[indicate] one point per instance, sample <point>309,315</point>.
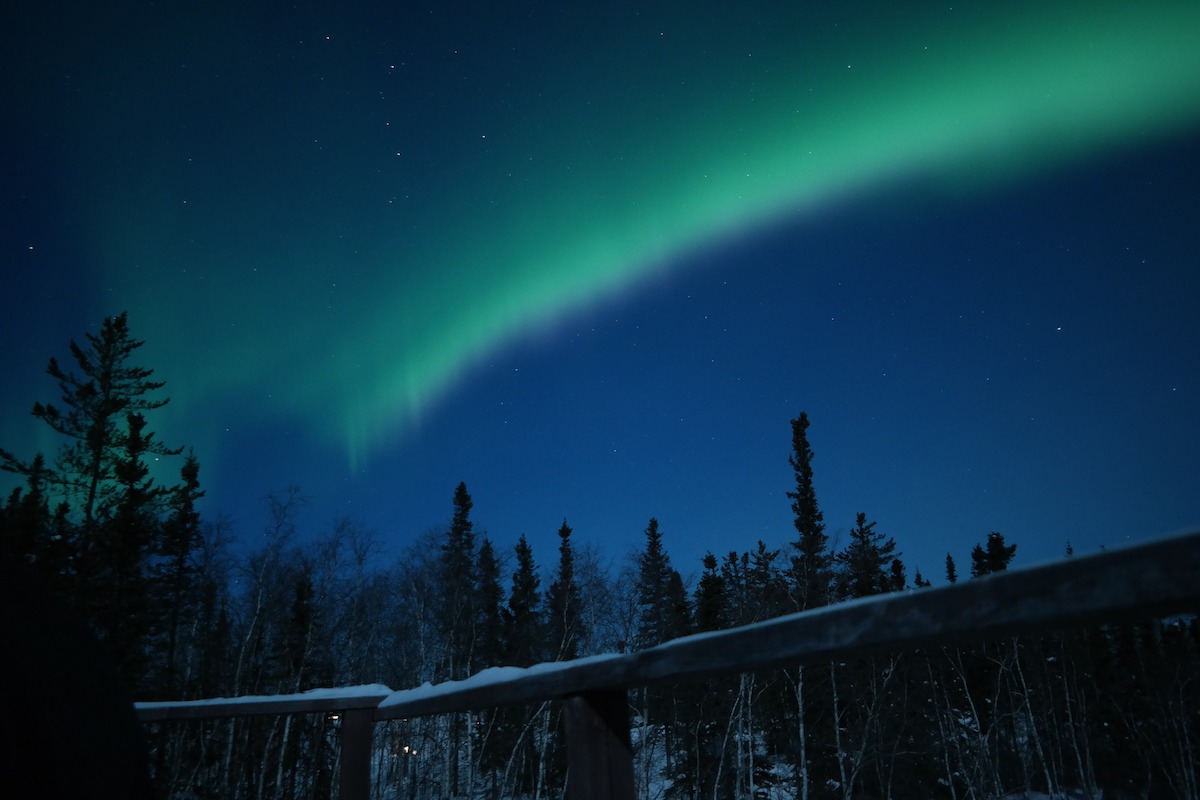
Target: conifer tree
<point>214,629</point>
<point>863,572</point>
<point>455,612</point>
<point>679,610</point>
<point>525,645</point>
<point>565,634</point>
<point>98,546</point>
<point>678,706</point>
<point>101,414</point>
<point>994,558</point>
<point>654,576</point>
<point>711,602</point>
<point>94,404</point>
<point>456,575</point>
<point>563,602</point>
<point>766,589</point>
<point>951,569</point>
<point>810,561</point>
<point>735,570</point>
<point>811,582</point>
<point>26,530</point>
<point>489,624</point>
<point>664,613</point>
<point>525,631</point>
<point>119,561</point>
<point>494,743</point>
<point>712,696</point>
<point>175,573</point>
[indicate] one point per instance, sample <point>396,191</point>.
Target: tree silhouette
<point>995,557</point>
<point>810,562</point>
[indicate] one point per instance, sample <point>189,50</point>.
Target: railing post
<point>599,749</point>
<point>358,725</point>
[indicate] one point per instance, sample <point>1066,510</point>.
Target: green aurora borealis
<point>325,221</point>
<point>347,225</point>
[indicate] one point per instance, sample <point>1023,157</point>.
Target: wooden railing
<point>1152,580</point>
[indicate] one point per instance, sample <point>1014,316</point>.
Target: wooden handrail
<point>1150,580</point>
<point>313,702</point>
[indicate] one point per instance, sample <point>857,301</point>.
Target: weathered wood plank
<point>358,726</point>
<point>1149,580</point>
<point>304,703</point>
<point>511,686</point>
<point>1152,580</point>
<point>599,749</point>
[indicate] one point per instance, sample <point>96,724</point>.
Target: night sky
<point>592,258</point>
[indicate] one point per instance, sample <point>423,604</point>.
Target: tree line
<point>1109,711</point>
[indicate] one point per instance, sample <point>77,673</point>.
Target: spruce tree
<point>101,413</point>
<point>899,578</point>
<point>951,570</point>
<point>456,574</point>
<point>525,629</point>
<point>94,404</point>
<point>677,707</point>
<point>563,602</point>
<point>489,624</point>
<point>26,524</point>
<point>654,575</point>
<point>493,738</point>
<point>767,592</point>
<point>120,558</point>
<point>810,561</point>
<point>663,613</point>
<point>712,697</point>
<point>175,573</point>
<point>711,601</point>
<point>994,558</point>
<point>456,612</point>
<point>863,572</point>
<point>735,569</point>
<point>679,610</point>
<point>564,607</point>
<point>98,546</point>
<point>525,645</point>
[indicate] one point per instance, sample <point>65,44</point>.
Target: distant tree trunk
<point>839,751</point>
<point>469,760</point>
<point>745,761</point>
<point>944,735</point>
<point>984,779</point>
<point>729,727</point>
<point>283,748</point>
<point>802,755</point>
<point>1034,734</point>
<point>1083,760</point>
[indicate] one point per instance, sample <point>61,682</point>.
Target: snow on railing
<point>1155,579</point>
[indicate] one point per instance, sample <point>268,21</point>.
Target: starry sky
<point>592,258</point>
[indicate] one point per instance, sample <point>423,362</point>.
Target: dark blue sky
<point>1021,362</point>
<point>593,264</point>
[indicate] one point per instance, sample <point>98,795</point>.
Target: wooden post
<point>599,751</point>
<point>358,725</point>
